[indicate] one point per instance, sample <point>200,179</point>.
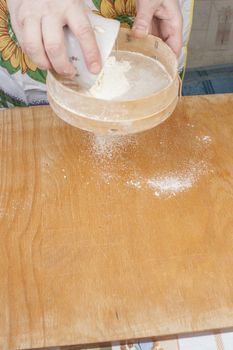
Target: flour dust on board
<point>174,160</point>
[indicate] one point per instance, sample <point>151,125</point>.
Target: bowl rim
<point>116,120</point>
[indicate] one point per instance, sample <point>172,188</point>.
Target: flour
<point>110,151</point>
<point>105,146</point>
<point>129,76</point>
<point>170,185</point>
<point>112,82</point>
<point>205,138</point>
<point>108,155</point>
<point>134,183</point>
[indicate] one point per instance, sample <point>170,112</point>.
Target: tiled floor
<point>213,80</point>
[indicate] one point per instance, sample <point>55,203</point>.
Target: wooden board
<point>101,242</point>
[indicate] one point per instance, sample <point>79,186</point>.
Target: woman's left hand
<point>162,18</point>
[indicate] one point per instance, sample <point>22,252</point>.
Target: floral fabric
<point>22,83</point>
<point>18,74</point>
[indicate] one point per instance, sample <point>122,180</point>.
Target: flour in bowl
<point>112,82</point>
<point>128,76</point>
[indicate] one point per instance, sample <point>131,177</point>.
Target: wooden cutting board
<point>104,240</point>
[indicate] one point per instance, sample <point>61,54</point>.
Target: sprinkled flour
<point>205,138</point>
<point>170,184</point>
<point>118,158</point>
<point>105,146</point>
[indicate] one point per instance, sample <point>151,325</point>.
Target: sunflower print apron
<point>23,84</point>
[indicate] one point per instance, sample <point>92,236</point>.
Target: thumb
<point>145,13</point>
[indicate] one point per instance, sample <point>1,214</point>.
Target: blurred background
<point>210,51</point>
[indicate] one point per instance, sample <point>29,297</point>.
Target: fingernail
<point>69,71</point>
<point>95,68</point>
<point>141,30</point>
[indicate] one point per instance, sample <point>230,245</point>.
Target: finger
<point>171,33</point>
<point>32,42</point>
<point>54,43</point>
<point>79,24</point>
<point>145,13</point>
<point>171,24</point>
<point>175,43</point>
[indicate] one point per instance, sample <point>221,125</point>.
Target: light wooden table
<point>100,245</point>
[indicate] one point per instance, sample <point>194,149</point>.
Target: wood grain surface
<point>105,240</point>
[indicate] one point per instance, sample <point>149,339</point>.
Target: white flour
<point>105,146</point>
<point>128,76</point>
<point>110,151</point>
<point>112,82</point>
<point>168,185</point>
<point>205,138</point>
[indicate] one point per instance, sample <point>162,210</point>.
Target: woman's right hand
<point>38,26</point>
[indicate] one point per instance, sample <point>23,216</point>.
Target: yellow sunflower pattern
<point>10,51</point>
<point>11,55</point>
<point>122,10</point>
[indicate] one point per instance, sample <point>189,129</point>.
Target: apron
<point>23,84</point>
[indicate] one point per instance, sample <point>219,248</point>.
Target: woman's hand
<point>162,18</point>
<point>38,25</point>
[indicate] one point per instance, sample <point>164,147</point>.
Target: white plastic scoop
<point>106,31</point>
